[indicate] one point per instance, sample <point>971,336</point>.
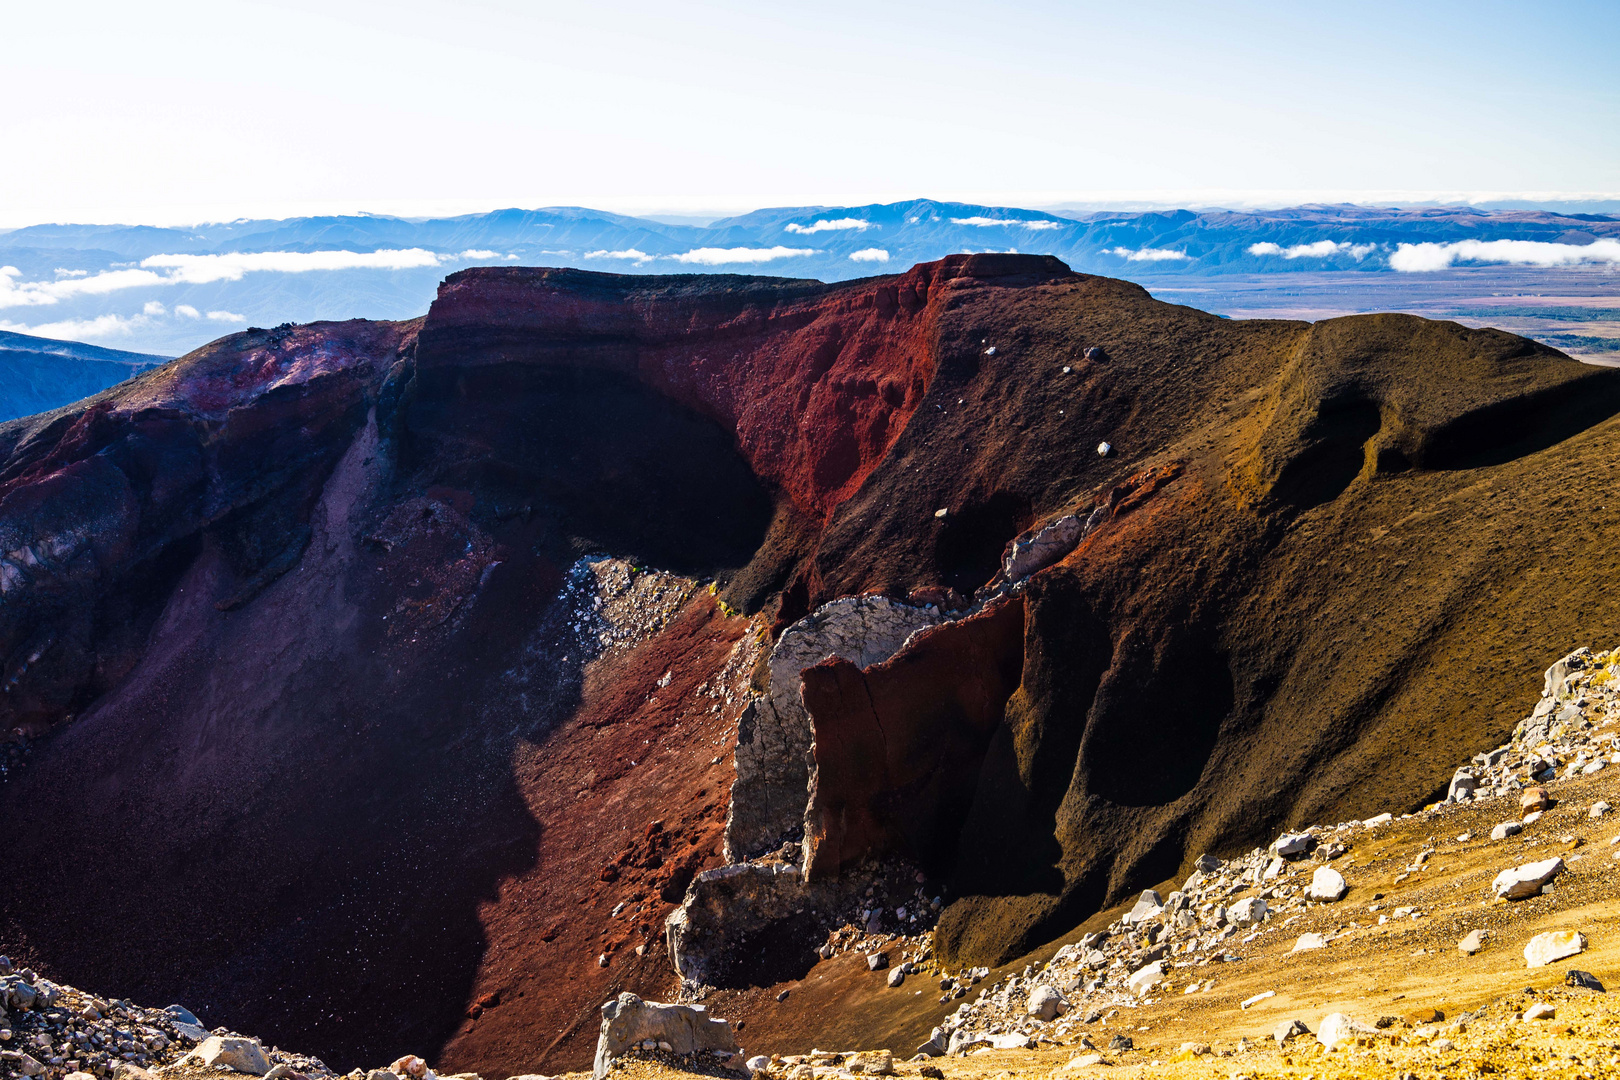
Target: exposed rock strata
<point>773,735</point>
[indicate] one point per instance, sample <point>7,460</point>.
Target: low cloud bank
<point>833,225</point>
<point>1423,258</point>
<point>163,270</point>
<point>640,258</point>
<point>202,269</point>
<point>1148,254</point>
<point>1322,249</point>
<point>1026,223</point>
<point>870,255</point>
<point>103,327</point>
<point>721,256</point>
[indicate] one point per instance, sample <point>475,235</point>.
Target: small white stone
<point>1247,912</point>
<point>1553,945</point>
<point>1327,885</point>
<point>1145,978</point>
<point>1525,881</point>
<point>1338,1028</point>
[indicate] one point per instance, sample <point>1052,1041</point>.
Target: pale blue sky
<point>171,112</point>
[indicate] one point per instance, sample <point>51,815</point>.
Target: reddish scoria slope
<point>306,636</point>
<point>307,595</point>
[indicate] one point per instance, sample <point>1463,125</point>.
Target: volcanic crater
<point>378,687</point>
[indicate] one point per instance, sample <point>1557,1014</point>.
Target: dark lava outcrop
<point>330,720</point>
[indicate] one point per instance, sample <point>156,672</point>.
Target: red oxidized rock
<point>898,746</point>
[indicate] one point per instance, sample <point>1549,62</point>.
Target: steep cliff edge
<point>372,662</point>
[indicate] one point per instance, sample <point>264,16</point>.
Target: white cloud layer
<point>201,269</point>
<point>640,258</point>
<point>119,326</point>
<point>833,225</point>
<point>1420,258</point>
<point>1027,223</point>
<point>1322,249</point>
<point>160,270</point>
<point>1148,254</point>
<point>709,256</point>
<point>872,255</point>
<point>102,326</point>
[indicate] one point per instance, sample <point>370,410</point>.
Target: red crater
<point>318,727</point>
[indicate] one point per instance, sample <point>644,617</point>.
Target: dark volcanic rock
<point>330,741</point>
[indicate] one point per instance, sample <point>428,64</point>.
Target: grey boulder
<point>231,1052</point>
<point>627,1021</point>
<point>1047,1003</point>
<point>1289,1029</point>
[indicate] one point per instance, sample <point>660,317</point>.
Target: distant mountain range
<point>170,290</point>
<point>39,374</point>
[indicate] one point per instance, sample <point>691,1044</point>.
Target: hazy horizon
<point>182,112</point>
<point>701,211</point>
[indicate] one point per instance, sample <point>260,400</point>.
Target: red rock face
<point>324,743</point>
<point>815,383</point>
<point>898,746</point>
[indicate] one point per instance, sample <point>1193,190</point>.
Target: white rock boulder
<point>627,1021</point>
<point>1247,912</point>
<point>1146,978</point>
<point>1327,885</point>
<point>1526,881</point>
<point>1338,1028</point>
<point>1543,949</point>
<point>1147,906</point>
<point>873,1063</point>
<point>231,1052</point>
<point>1047,1003</point>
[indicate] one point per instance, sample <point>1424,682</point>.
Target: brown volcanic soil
<point>299,595</point>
